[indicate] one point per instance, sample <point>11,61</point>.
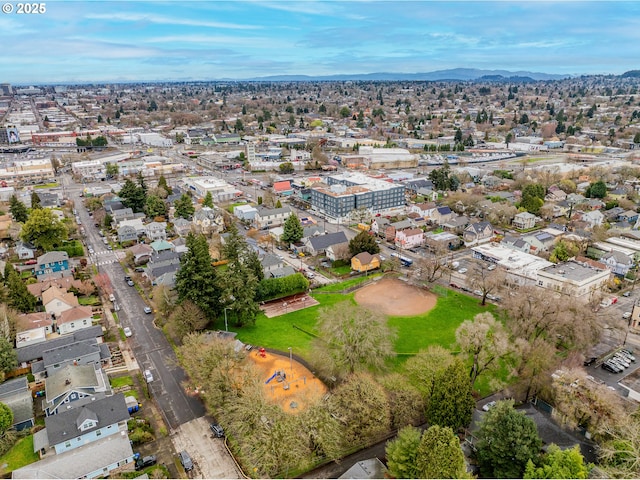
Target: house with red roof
<point>282,188</point>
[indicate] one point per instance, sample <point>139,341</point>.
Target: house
<point>392,228</point>
<point>409,238</point>
<point>428,194</point>
<point>271,217</point>
<point>127,233</point>
<point>182,226</point>
<point>109,455</point>
<point>617,262</point>
<point>83,352</point>
<point>208,220</point>
<point>16,395</point>
<point>74,319</point>
<point>366,469</point>
<point>270,263</point>
<point>379,226</point>
<point>55,264</point>
<point>29,321</point>
<point>630,216</point>
<point>71,384</point>
<point>338,251</point>
<point>25,251</point>
<point>282,188</point>
<point>162,246</point>
<point>180,245</point>
<point>524,221</point>
<point>84,424</point>
<point>318,245</point>
<point>540,242</point>
<point>284,271</point>
<point>66,283</point>
<point>156,231</point>
<point>456,224</point>
<point>135,223</point>
<point>554,194</point>
<point>423,209</point>
<point>245,212</point>
<point>516,243</point>
<point>141,253</point>
<point>364,261</point>
<point>29,354</point>
<point>122,214</point>
<point>48,200</point>
<point>56,300</point>
<point>593,218</point>
<point>441,215</point>
<point>476,233</point>
<point>443,241</point>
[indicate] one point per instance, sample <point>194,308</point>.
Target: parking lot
<point>209,454</point>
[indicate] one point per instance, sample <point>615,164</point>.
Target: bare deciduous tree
<point>485,280</point>
<point>352,338</point>
<point>485,342</point>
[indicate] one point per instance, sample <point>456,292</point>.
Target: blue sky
<point>78,41</point>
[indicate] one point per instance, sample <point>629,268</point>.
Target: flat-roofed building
<point>220,190</point>
<point>574,279</point>
<point>522,268</point>
<point>355,191</point>
<point>27,171</point>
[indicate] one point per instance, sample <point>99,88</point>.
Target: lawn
<point>339,271</point>
<point>92,300</point>
<point>21,454</point>
<point>280,333</point>
<point>123,381</point>
<point>337,287</point>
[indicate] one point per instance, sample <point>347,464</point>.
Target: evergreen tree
<point>18,295</point>
<point>278,204</point>
<point>363,242</point>
<point>6,417</point>
<point>558,463</point>
<point>133,196</point>
<point>35,201</point>
<point>155,207</point>
<point>184,207</point>
<point>208,200</point>
<point>235,245</point>
<point>440,455</point>
<point>451,404</point>
<point>196,280</point>
<point>292,230</point>
<point>597,190</point>
<point>239,286</point>
<point>252,261</point>
<point>507,440</point>
<point>18,210</point>
<point>402,454</point>
<point>162,183</point>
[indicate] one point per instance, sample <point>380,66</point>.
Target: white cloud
<point>162,20</point>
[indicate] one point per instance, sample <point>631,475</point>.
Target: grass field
<point>21,454</point>
<point>123,381</point>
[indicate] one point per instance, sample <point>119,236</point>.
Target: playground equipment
<point>279,374</point>
<point>262,352</point>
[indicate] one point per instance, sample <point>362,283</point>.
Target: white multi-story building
<point>220,190</point>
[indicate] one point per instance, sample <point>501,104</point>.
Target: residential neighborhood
<point>367,246</point>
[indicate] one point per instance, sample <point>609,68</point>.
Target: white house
<point>524,220</point>
<point>409,238</point>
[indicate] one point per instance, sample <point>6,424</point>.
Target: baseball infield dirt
<point>395,297</point>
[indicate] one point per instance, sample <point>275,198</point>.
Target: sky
<point>137,40</point>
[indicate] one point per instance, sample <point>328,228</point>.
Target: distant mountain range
<point>465,74</point>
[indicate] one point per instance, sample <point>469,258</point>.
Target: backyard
<point>21,454</point>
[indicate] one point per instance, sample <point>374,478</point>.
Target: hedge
<point>272,288</point>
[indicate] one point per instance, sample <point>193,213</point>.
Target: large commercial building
<point>355,191</point>
<point>220,190</point>
<point>27,171</point>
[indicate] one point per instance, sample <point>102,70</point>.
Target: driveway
<point>209,454</point>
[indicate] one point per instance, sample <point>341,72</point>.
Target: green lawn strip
<point>343,270</point>
<point>337,287</point>
<point>21,454</point>
<point>92,300</point>
<point>123,381</point>
<point>279,332</point>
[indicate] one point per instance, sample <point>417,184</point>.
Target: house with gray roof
<point>85,352</point>
<point>16,395</point>
<point>156,231</point>
<point>270,262</point>
<point>281,272</point>
<point>79,426</point>
<point>318,245</point>
<point>208,220</point>
<point>71,384</point>
<point>127,233</point>
<point>617,262</point>
<point>479,232</point>
<point>182,226</point>
<point>96,459</point>
<point>32,353</point>
<point>271,217</point>
<point>25,251</point>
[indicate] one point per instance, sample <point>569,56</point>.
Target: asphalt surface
<point>149,345</point>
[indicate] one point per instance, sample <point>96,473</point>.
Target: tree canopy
<point>597,190</point>
<point>18,210</point>
<point>293,230</point>
<point>402,454</point>
<point>6,418</point>
<point>207,201</point>
<point>197,280</point>
<point>507,440</point>
<point>440,454</point>
<point>451,403</point>
<point>443,179</point>
<point>44,230</point>
<point>558,463</point>
<point>133,196</point>
<point>363,242</point>
<point>184,207</point>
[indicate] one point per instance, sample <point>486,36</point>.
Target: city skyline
<point>114,41</point>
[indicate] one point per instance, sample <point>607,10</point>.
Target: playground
<point>287,382</point>
<point>286,305</point>
<point>395,297</point>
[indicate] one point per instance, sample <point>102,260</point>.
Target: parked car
<point>217,430</point>
<point>491,267</point>
<point>185,460</point>
<point>615,361</point>
<point>147,310</point>
<point>130,283</point>
<point>488,406</point>
<point>622,360</point>
<point>626,315</point>
<point>145,462</point>
<point>112,297</point>
<point>626,294</point>
<point>127,332</point>
<point>611,367</point>
<point>148,376</point>
<point>629,354</point>
<point>462,270</point>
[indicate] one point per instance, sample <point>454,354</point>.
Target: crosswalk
<point>97,258</point>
